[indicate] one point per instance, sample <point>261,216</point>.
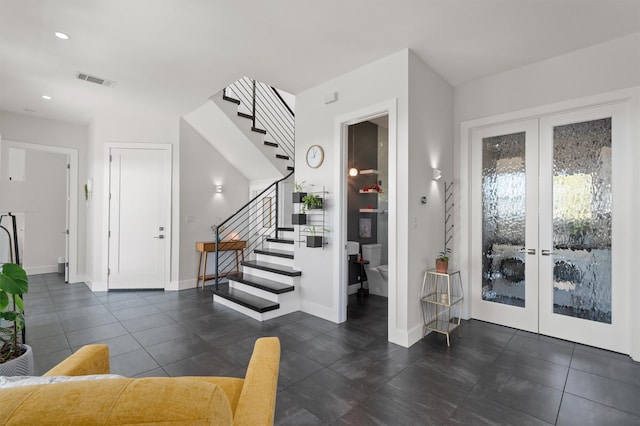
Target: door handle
<point>160,237</point>
<point>528,251</point>
<point>546,252</point>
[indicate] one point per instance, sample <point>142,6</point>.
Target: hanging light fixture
<point>353,171</point>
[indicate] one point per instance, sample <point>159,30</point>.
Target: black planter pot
<point>314,241</point>
<point>298,196</point>
<point>299,219</point>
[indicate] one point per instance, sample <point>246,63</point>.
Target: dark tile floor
<point>344,374</point>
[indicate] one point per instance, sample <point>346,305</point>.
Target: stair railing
<point>269,111</point>
<point>247,229</point>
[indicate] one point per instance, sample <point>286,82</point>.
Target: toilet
<point>377,274</point>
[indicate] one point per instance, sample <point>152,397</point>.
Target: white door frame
<point>72,155</point>
<point>631,99</point>
<point>341,145</point>
<point>107,220</point>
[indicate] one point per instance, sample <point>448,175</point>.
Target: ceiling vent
<point>94,79</point>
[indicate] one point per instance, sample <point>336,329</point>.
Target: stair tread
<point>258,130</point>
<point>290,168</point>
<point>261,283</point>
<point>275,252</point>
<point>245,299</point>
<point>273,144</point>
<point>282,157</point>
<point>234,100</point>
<point>245,115</point>
<point>286,228</point>
<point>272,267</point>
<point>280,240</point>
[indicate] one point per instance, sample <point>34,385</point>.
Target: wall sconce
<point>219,189</point>
<point>437,174</point>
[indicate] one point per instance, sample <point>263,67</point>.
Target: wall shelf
<point>369,172</point>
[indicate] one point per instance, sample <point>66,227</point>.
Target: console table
<point>206,247</point>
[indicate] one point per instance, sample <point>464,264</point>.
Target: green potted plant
<point>315,240</point>
<point>298,195</point>
<point>442,261</point>
<point>312,202</point>
<point>16,359</point>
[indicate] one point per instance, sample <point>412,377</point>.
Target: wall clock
<point>315,156</point>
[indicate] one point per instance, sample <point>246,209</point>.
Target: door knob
<point>160,237</point>
<point>528,251</point>
<point>546,252</point>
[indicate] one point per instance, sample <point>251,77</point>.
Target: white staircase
<point>266,286</point>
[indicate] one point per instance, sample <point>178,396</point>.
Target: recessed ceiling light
<point>46,97</point>
<point>61,36</point>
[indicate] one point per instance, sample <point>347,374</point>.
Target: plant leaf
<point>4,300</point>
<point>13,279</point>
<point>19,302</point>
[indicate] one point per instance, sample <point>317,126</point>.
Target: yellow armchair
<point>172,400</point>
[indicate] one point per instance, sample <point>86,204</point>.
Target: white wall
<point>203,167</point>
<point>371,89</point>
<point>591,71</point>
<point>25,128</point>
<point>125,127</point>
<point>430,146</point>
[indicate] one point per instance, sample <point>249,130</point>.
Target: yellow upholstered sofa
<point>158,400</point>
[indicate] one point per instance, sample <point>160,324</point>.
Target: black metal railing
<point>269,112</point>
<point>248,228</point>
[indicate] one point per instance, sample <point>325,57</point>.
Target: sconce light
<point>219,189</point>
<point>437,174</point>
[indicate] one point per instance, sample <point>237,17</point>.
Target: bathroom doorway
<point>367,213</point>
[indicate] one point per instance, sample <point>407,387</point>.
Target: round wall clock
<point>315,156</point>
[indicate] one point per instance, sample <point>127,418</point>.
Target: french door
<point>548,211</point>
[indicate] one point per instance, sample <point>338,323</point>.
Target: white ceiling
<point>168,56</point>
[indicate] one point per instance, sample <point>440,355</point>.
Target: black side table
<point>362,292</point>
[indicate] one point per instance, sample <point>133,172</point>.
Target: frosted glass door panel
<point>584,284</point>
<point>503,219</point>
<point>504,199</point>
<point>582,200</point>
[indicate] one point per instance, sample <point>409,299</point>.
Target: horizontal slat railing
<point>251,225</point>
<point>269,110</point>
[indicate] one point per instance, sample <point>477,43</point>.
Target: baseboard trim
<point>36,270</point>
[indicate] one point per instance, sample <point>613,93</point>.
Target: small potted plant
<point>217,232</point>
<point>298,195</point>
<point>312,202</point>
<point>16,359</point>
<point>442,261</point>
<point>315,240</point>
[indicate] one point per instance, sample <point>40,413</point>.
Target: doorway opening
<point>47,205</point>
<point>368,217</point>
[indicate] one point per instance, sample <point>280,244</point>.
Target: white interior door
<point>548,211</point>
<point>139,217</point>
<point>67,221</point>
<point>504,224</point>
<point>584,290</point>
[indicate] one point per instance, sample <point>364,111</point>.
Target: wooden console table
<point>206,247</point>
